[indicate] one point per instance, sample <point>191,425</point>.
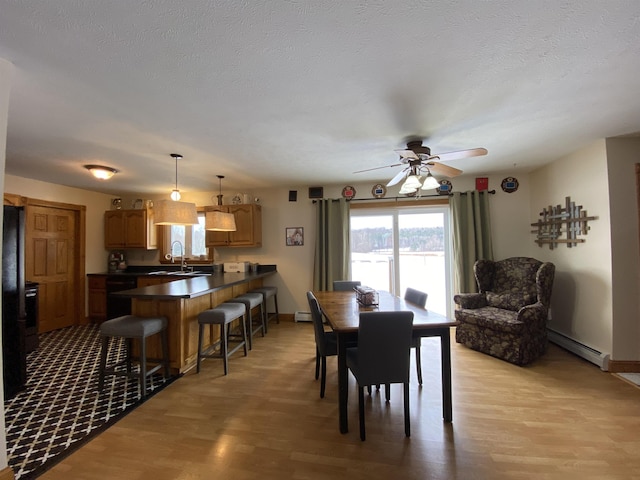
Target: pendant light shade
<point>220,222</point>
<point>169,212</point>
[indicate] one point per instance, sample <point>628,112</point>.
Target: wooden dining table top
<point>343,311</point>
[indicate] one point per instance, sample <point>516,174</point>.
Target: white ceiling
<point>295,92</point>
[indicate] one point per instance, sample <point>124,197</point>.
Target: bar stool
<point>251,301</point>
<point>267,293</point>
<point>131,327</point>
<point>222,315</point>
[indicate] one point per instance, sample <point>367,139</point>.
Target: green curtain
<point>471,236</point>
<point>333,251</point>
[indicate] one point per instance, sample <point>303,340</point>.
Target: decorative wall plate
<point>348,192</point>
<point>379,190</point>
<point>445,187</point>
<point>510,184</point>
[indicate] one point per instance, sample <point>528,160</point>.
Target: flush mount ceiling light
<point>101,172</point>
<point>175,193</point>
<point>220,222</point>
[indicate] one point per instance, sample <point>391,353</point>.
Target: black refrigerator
<point>13,302</point>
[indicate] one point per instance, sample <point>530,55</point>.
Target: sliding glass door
<point>396,248</point>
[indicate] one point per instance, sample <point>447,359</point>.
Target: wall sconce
<point>101,172</point>
<point>220,222</point>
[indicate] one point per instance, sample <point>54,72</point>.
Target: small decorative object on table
<point>366,296</point>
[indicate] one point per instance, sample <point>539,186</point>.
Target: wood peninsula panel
<point>183,320</point>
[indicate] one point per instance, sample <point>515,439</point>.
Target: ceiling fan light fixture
<point>404,190</point>
<point>412,181</point>
<point>430,182</point>
<point>101,172</point>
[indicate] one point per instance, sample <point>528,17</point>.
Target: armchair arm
<point>470,300</point>
<point>534,316</point>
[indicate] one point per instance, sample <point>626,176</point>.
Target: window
<point>395,248</point>
<point>191,238</point>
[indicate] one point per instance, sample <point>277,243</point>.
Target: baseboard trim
<point>624,366</point>
<point>7,474</point>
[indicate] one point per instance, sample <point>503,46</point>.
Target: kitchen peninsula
<point>181,301</point>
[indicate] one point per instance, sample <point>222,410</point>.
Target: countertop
<point>192,287</point>
<point>169,270</point>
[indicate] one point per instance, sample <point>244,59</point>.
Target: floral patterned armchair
<point>508,317</point>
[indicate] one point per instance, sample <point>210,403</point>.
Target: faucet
<point>183,262</point>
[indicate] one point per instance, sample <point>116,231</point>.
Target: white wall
<point>581,304</point>
<point>622,155</point>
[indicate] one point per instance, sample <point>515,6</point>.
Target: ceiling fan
<point>418,160</point>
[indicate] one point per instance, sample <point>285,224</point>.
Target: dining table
<point>342,311</point>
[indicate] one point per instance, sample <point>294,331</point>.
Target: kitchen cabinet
<point>130,229</point>
<point>97,297</point>
<point>248,227</point>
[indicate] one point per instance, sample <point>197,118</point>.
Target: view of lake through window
<point>396,249</point>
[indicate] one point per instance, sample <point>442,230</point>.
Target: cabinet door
<point>97,297</point>
<point>248,225</point>
<point>135,227</point>
<point>114,235</point>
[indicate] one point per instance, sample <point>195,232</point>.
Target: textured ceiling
<point>290,93</point>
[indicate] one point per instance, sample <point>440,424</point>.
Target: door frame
<point>79,277</point>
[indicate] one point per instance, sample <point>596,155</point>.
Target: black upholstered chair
<point>345,285</point>
<point>382,356</point>
<point>326,344</point>
<point>418,298</point>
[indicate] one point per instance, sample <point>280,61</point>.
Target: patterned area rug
<point>61,408</point>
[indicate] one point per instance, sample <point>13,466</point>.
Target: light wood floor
<point>562,418</point>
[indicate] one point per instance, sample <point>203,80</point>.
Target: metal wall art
<point>562,225</point>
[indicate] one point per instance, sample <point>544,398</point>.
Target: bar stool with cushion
<point>222,315</point>
<point>251,301</point>
<point>132,327</point>
<point>267,293</point>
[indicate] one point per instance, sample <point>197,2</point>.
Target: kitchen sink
<point>189,274</point>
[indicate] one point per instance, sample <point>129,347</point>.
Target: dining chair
<point>326,344</point>
<point>345,285</point>
<point>418,298</point>
<point>382,356</point>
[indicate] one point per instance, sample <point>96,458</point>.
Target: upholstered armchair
<point>508,317</point>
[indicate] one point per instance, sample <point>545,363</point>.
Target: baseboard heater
<point>590,354</point>
<point>302,317</point>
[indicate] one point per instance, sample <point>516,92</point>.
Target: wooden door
<point>51,260</point>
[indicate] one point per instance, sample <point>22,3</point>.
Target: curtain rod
<point>436,195</point>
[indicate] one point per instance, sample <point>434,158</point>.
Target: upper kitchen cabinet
<point>248,227</point>
<point>130,229</point>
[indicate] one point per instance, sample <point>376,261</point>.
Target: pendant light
<point>175,193</point>
<point>174,212</point>
<point>218,221</point>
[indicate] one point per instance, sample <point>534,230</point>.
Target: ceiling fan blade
<point>399,176</point>
<point>473,152</point>
<point>440,169</point>
<point>378,168</point>
<point>409,154</point>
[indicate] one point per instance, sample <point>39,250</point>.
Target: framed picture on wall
<point>294,236</point>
